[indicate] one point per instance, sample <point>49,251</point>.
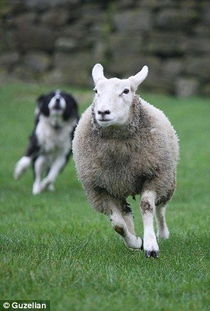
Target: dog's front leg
<point>55,169</point>
<point>39,167</point>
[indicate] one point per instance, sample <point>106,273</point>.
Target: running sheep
<point>123,146</point>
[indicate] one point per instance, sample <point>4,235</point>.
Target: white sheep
<point>124,146</point>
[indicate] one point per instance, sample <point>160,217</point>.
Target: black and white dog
<point>49,148</point>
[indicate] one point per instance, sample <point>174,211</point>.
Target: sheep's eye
<point>126,91</point>
<point>95,91</point>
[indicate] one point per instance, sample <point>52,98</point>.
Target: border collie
<point>50,145</point>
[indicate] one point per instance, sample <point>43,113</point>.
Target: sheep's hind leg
<point>163,231</point>
<point>148,209</point>
<point>120,226</point>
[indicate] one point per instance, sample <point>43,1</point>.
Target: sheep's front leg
<point>121,222</point>
<point>124,227</point>
<point>128,217</point>
<point>148,209</point>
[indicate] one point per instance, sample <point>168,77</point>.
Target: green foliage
<point>54,246</point>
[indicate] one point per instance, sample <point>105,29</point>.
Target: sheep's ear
<point>138,78</point>
<point>97,73</point>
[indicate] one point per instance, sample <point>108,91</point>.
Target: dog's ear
<point>71,107</point>
<point>42,105</point>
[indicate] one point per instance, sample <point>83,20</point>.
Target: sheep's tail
<point>21,166</point>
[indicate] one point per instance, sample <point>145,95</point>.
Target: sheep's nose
<point>103,113</point>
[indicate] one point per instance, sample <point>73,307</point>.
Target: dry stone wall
<point>58,42</point>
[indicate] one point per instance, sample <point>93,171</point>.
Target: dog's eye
<point>126,91</point>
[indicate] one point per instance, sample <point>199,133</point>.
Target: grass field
<point>54,246</point>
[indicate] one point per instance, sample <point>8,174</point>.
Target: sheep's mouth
<point>105,122</point>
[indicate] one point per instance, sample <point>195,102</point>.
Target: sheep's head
<point>114,96</point>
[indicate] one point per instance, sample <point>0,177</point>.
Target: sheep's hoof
<point>153,254</point>
<point>135,245</point>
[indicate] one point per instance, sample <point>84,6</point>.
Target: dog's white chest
<point>52,140</point>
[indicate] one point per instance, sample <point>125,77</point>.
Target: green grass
<point>54,246</point>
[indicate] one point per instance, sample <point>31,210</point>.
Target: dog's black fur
<point>49,149</point>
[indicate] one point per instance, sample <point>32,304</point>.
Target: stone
<point>132,21</point>
<point>43,4</point>
<point>23,20</point>
<point>124,4</point>
<point>205,13</point>
<point>125,45</point>
<point>172,67</point>
<point>157,83</point>
<point>8,41</point>
<point>76,31</point>
<point>124,67</point>
<point>25,74</point>
<point>185,87</point>
<point>60,40</point>
<point>101,30</point>
<point>35,37</point>
<point>126,57</point>
<point>55,17</point>
<point>6,77</point>
<point>124,51</point>
<point>198,66</point>
<point>202,30</point>
<point>54,77</point>
<point>37,62</point>
<point>153,4</point>
<point>205,90</point>
<point>91,14</point>
<point>175,19</point>
<point>166,44</point>
<point>17,6</point>
<point>199,45</point>
<point>74,68</point>
<point>66,44</point>
<point>100,51</point>
<point>188,4</point>
<point>80,34</point>
<point>9,59</point>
